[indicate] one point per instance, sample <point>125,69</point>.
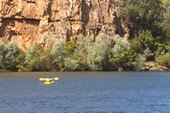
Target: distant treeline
<point>149,40</point>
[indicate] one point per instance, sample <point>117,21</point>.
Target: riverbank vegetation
<point>149,41</point>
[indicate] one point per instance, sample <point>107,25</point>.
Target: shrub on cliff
<point>166,1</point>
<point>131,56</point>
<point>58,53</point>
<point>85,43</point>
<point>33,59</point>
<point>121,57</point>
<point>15,56</point>
<point>141,59</point>
<point>80,53</point>
<point>70,64</point>
<point>69,47</point>
<point>98,54</point>
<point>143,41</point>
<point>164,60</point>
<point>10,56</point>
<point>3,52</point>
<point>47,59</point>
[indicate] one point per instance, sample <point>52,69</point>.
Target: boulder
<point>152,66</point>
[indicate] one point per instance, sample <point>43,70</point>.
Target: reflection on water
<point>126,92</point>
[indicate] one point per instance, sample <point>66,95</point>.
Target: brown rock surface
<point>152,66</point>
<point>28,22</point>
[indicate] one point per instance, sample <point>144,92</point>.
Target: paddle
<point>56,78</point>
<point>43,79</point>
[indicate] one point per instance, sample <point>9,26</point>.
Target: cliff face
<point>28,22</point>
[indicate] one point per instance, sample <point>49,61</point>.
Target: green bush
<point>142,58</point>
<point>121,57</point>
<point>98,54</point>
<point>3,52</point>
<point>164,60</point>
<point>10,56</point>
<point>47,60</point>
<point>143,41</point>
<point>81,51</point>
<point>69,47</point>
<point>70,64</point>
<point>166,1</point>
<point>15,57</point>
<point>84,44</point>
<point>59,54</point>
<point>33,59</point>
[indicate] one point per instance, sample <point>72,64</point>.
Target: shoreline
<point>78,71</point>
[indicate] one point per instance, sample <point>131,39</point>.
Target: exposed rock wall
<point>28,22</point>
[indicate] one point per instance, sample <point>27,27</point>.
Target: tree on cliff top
<point>143,15</point>
<point>166,23</point>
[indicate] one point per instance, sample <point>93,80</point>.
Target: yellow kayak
<point>48,82</point>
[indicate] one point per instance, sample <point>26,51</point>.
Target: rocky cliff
<point>28,22</point>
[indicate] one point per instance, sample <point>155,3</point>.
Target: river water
<point>86,92</point>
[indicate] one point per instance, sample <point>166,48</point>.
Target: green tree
<point>143,15</point>
<point>69,47</point>
<point>121,57</point>
<point>98,54</point>
<point>10,56</point>
<point>143,41</point>
<point>141,59</point>
<point>33,59</point>
<point>165,25</point>
<point>59,54</point>
<point>81,51</point>
<point>3,52</point>
<point>166,2</point>
<point>164,60</point>
<point>70,64</point>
